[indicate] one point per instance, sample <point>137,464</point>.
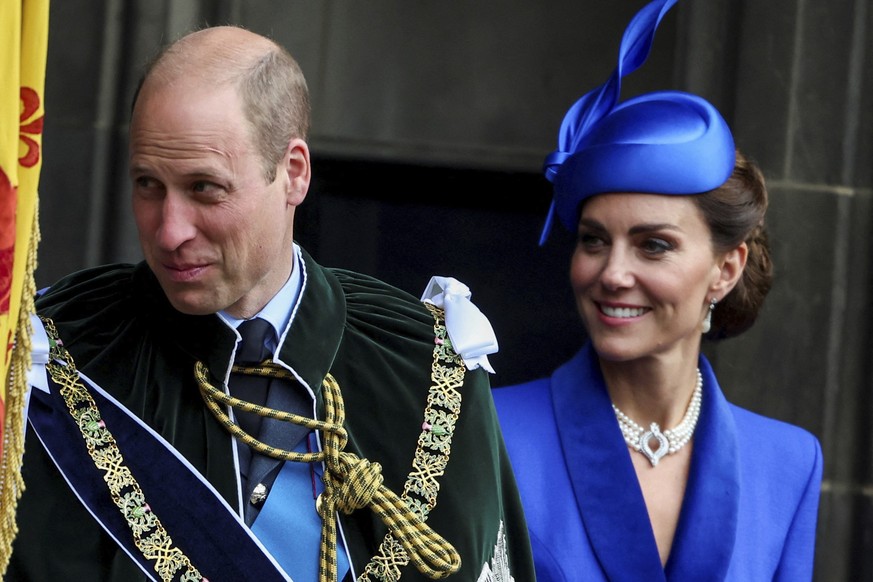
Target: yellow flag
<point>23,48</point>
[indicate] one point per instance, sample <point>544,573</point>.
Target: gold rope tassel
<point>11,482</point>
<point>350,483</point>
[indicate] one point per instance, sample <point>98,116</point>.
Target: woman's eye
<point>589,240</point>
<point>655,246</point>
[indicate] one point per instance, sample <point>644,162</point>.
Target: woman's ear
<point>730,267</point>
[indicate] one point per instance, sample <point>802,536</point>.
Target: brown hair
<point>735,214</point>
<point>276,102</point>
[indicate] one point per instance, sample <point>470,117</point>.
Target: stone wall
<point>431,121</point>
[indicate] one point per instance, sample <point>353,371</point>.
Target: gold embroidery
<point>418,499</point>
<point>149,534</point>
<point>432,453</point>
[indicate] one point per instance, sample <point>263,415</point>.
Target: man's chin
<point>192,303</point>
<point>189,309</point>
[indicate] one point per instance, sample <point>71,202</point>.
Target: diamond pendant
<point>655,433</point>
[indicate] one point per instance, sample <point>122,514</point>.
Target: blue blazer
<point>750,504</point>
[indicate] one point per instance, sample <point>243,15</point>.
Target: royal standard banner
<point>23,49</point>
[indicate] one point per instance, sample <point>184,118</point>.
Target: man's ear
<point>297,166</point>
<point>730,268</point>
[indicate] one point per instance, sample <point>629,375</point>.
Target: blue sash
<point>198,520</point>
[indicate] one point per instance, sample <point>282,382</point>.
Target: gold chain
<point>149,534</point>
<point>350,482</point>
<point>432,452</point>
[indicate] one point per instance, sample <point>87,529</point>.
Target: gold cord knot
<point>350,482</point>
<point>357,488</point>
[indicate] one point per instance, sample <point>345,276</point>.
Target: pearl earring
<point>707,321</point>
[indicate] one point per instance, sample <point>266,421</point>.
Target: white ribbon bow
<point>469,330</point>
<point>39,342</point>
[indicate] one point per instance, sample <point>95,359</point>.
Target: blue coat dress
<point>750,504</point>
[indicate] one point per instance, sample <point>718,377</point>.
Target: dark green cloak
<point>376,340</point>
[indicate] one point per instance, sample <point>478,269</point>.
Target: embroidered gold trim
<point>149,534</point>
<point>433,449</point>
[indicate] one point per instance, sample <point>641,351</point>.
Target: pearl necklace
<point>669,441</point>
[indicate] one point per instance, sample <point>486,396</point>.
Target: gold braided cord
<point>350,483</point>
<point>432,555</point>
<point>11,482</point>
<point>213,397</point>
<point>432,452</point>
<point>149,534</point>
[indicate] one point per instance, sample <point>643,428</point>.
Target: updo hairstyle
<point>735,214</point>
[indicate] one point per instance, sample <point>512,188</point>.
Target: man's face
<point>216,234</point>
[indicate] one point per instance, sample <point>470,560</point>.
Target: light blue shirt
<point>278,310</point>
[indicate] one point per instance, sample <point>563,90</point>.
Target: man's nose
<point>177,222</point>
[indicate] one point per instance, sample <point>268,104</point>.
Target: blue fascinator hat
<point>664,142</point>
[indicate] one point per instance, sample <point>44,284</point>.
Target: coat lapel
<point>608,493</point>
<point>316,326</point>
<point>604,483</point>
<point>706,532</point>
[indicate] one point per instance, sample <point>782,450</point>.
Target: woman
<point>631,463</point>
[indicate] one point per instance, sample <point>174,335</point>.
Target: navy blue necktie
<point>252,350</point>
<point>276,393</point>
<point>296,504</point>
<point>251,388</point>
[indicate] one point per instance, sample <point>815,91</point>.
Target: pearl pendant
<point>669,441</point>
<point>654,433</point>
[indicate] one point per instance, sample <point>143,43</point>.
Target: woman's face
<point>643,273</point>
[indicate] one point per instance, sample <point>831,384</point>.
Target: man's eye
<point>147,187</point>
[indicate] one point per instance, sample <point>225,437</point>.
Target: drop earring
<point>707,321</point>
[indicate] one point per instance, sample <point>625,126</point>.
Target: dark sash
<point>198,520</point>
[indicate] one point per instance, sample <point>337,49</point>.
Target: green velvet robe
<point>376,340</point>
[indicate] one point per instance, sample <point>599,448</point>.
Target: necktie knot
<point>253,347</point>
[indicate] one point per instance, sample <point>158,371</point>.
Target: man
<point>162,458</point>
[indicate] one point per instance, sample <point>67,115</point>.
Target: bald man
<point>160,446</point>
